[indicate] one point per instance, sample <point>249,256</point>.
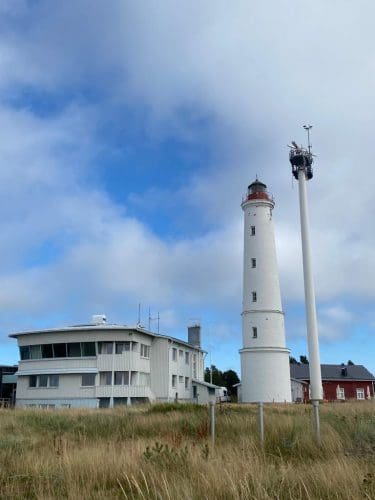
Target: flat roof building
<point>104,365</point>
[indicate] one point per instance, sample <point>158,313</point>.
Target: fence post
<point>261,422</point>
<point>212,421</point>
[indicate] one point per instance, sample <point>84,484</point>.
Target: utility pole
<point>301,160</point>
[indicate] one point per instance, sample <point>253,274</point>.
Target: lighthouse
<point>264,358</point>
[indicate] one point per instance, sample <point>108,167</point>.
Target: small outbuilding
<point>340,382</point>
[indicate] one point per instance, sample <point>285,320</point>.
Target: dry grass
<point>163,452</point>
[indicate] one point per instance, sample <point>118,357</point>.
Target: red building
<point>340,382</point>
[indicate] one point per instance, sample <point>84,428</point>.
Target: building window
<point>360,394</point>
<point>35,352</point>
<point>105,347</point>
<point>145,351</point>
<point>174,354</point>
<point>180,353</point>
<point>254,296</point>
<point>252,231</point>
<point>47,351</point>
<point>255,332</point>
<point>59,350</point>
<point>340,391</point>
<point>25,352</point>
<point>53,381</point>
<point>74,350</point>
<point>253,263</point>
<point>121,378</point>
<point>180,379</point>
<point>88,379</point>
<point>174,380</point>
<point>105,378</point>
<point>122,347</point>
<point>43,381</point>
<point>186,382</point>
<point>88,349</point>
<point>186,358</point>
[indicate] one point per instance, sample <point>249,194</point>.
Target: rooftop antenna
<point>139,314</point>
<point>308,128</point>
<point>150,318</point>
<point>301,160</point>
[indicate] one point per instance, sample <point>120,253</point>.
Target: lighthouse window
<point>252,230</point>
<point>255,332</point>
<point>253,263</point>
<point>254,295</point>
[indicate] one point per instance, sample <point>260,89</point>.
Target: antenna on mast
<point>307,128</point>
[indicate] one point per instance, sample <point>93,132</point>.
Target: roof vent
<point>99,319</point>
<point>344,371</point>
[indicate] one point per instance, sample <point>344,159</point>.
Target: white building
<point>104,365</point>
<point>264,358</point>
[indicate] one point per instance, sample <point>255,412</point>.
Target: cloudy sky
<point>129,132</point>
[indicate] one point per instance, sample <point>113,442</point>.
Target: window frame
<point>360,390</point>
<point>92,375</point>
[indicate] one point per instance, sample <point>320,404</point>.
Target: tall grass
<point>164,452</point>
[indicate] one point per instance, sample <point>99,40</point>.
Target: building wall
<point>161,364</point>
<point>350,388</point>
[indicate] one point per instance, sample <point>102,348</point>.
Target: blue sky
<point>129,133</point>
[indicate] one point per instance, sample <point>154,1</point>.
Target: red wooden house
<point>340,382</point>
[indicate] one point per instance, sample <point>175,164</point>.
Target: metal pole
<point>261,421</point>
<point>212,421</point>
<point>311,320</point>
<point>316,419</point>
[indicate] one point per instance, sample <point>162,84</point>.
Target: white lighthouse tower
<point>265,370</point>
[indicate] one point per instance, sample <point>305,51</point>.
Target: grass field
<point>164,452</point>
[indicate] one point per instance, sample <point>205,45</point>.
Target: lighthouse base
<point>265,375</point>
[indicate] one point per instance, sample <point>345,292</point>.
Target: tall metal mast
<point>301,160</point>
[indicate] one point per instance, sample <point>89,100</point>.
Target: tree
<point>230,378</point>
<point>304,360</point>
<point>217,376</point>
<point>293,361</point>
<point>350,363</point>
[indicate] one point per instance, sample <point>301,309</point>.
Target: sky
<point>129,132</point>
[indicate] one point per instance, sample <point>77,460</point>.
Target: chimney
<point>194,335</point>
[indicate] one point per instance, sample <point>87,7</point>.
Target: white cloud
<point>253,73</point>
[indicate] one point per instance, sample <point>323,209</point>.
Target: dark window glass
<point>47,351</point>
<point>119,377</point>
<point>25,352</point>
<point>254,295</point>
<point>252,230</point>
<point>43,380</point>
<point>88,349</point>
<point>32,381</point>
<point>59,350</point>
<point>35,352</point>
<point>54,381</point>
<point>255,332</point>
<point>74,349</point>
<point>88,379</point>
<point>253,263</point>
